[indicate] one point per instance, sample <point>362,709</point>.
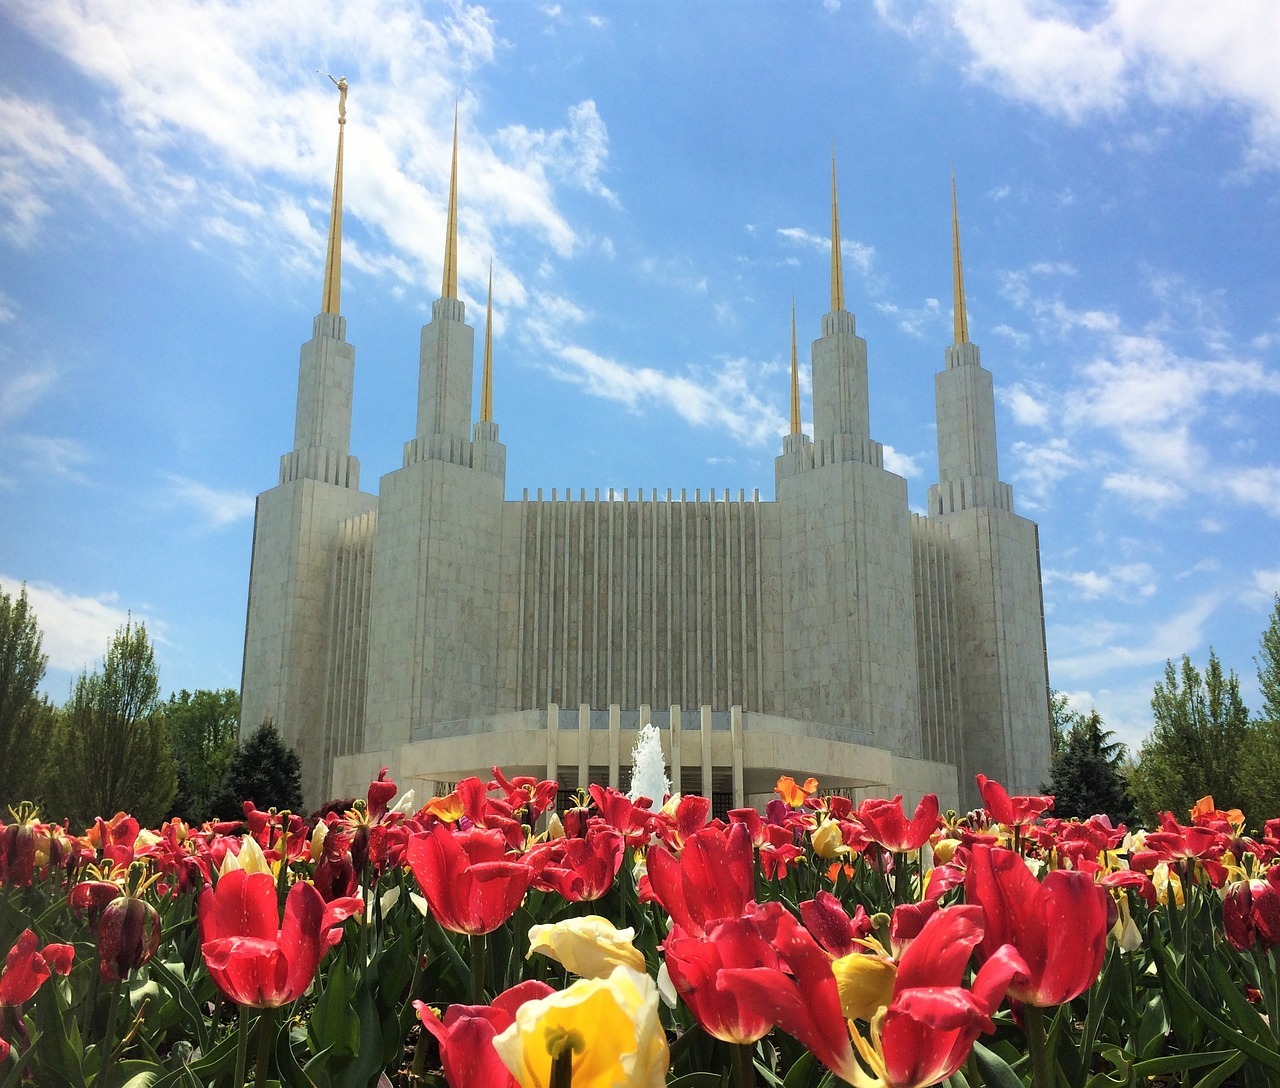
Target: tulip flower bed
<point>482,941</point>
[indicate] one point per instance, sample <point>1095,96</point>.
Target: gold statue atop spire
<point>486,374</point>
<point>450,286</point>
<point>795,373</point>
<point>330,303</point>
<point>837,259</point>
<point>957,272</point>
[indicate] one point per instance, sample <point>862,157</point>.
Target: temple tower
<point>296,531</point>
<point>433,638</point>
<point>995,561</point>
<point>849,641</point>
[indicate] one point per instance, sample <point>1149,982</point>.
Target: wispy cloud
<point>858,255</point>
<point>217,507</point>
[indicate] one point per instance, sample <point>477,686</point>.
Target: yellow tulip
<point>828,842</point>
<point>865,982</point>
<point>250,858</point>
<point>610,1025</point>
<point>589,946</point>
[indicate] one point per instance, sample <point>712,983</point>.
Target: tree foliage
<point>263,770</point>
<point>25,718</point>
<point>112,751</point>
<point>203,727</point>
<point>1259,760</point>
<point>1194,749</point>
<point>1087,776</point>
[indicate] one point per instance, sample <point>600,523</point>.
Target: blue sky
<point>651,182</point>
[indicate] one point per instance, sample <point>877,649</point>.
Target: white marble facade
<point>441,628</point>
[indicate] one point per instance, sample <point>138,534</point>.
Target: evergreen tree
<point>25,719</point>
<point>1259,763</point>
<point>112,750</point>
<point>1194,749</point>
<point>1087,778</point>
<point>263,770</point>
<point>203,730</point>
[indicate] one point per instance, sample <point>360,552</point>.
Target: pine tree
<point>112,747</point>
<point>1087,777</point>
<point>263,770</point>
<point>25,719</point>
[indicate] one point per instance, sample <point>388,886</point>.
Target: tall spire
<point>957,272</point>
<point>330,303</point>
<point>486,377</point>
<point>795,374</point>
<point>837,260</point>
<point>450,287</point>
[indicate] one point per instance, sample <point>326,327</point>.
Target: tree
<point>112,751</point>
<point>1194,748</point>
<point>1259,763</point>
<point>203,730</point>
<point>1087,776</point>
<point>263,770</point>
<point>25,718</point>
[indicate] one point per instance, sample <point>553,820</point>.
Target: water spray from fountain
<point>648,769</point>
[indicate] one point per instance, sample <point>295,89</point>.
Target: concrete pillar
<point>676,760</point>
<point>735,741</point>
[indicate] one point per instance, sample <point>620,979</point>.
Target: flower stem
<point>743,1058</point>
<point>479,965</point>
<point>242,1047</point>
<point>266,1039</point>
<point>1037,1045</point>
<point>109,1037</point>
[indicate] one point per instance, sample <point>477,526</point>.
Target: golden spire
<point>486,374</point>
<point>795,374</point>
<point>961,315</point>
<point>330,303</point>
<point>450,287</point>
<point>837,260</point>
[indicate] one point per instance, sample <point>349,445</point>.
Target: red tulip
<point>1058,925</point>
<point>580,870</point>
<point>695,963</point>
<point>468,879</point>
<point>799,995</point>
<point>128,936</point>
<point>1251,912</point>
<point>254,959</point>
<point>824,916</point>
<point>466,1036</point>
<point>1010,811</point>
<point>713,879</point>
<point>932,1022</point>
<point>888,825</point>
<point>27,966</point>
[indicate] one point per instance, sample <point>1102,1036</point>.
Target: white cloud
<point>8,309</point>
<point>1027,410</point>
<point>49,455</point>
<point>230,86</point>
<point>76,629</point>
<point>1156,492</point>
<point>216,506</point>
<point>1079,61</point>
<point>1124,581</point>
<point>1041,466</point>
<point>1263,587</point>
<point>721,396</point>
<point>857,254</point>
<point>901,463</point>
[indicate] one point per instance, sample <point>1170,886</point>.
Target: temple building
<point>440,628</point>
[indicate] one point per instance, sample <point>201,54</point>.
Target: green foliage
<point>25,719</point>
<point>1194,750</point>
<point>1087,776</point>
<point>1259,760</point>
<point>1061,719</point>
<point>112,748</point>
<point>203,727</point>
<point>263,770</point>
